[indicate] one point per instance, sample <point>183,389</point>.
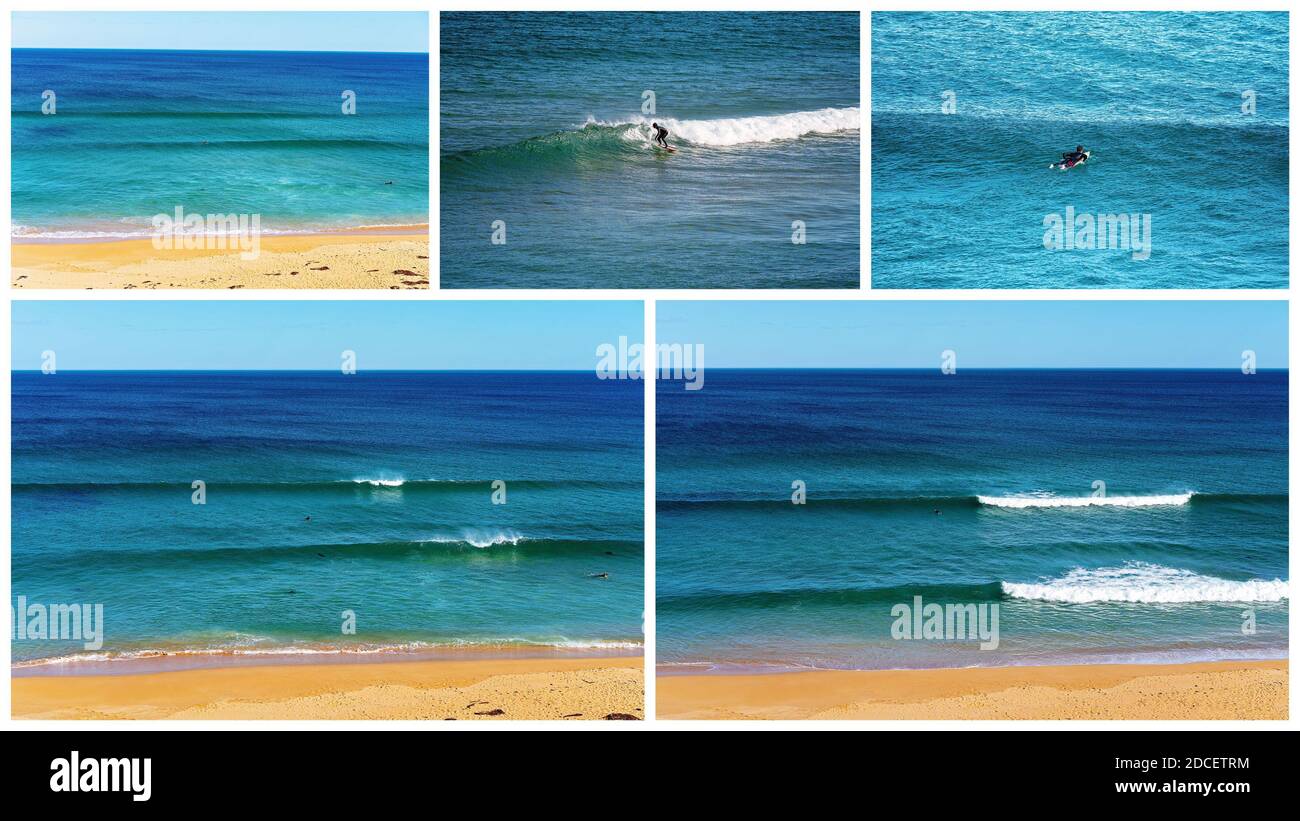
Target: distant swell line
<point>815,499</point>
<point>827,597</point>
<point>272,116</point>
<point>470,541</point>
<point>378,483</point>
<point>157,145</point>
<point>888,119</point>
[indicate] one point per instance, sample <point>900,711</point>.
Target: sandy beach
<point>351,260</point>
<point>1221,690</point>
<point>571,689</point>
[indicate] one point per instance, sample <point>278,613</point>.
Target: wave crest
<point>482,539</point>
<point>608,144</point>
<point>740,130</point>
<point>1164,500</point>
<point>380,482</point>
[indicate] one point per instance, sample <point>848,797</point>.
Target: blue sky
<point>311,335</point>
<point>229,31</point>
<point>984,334</point>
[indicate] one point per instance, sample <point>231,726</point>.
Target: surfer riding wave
<point>630,137</point>
<point>661,135</point>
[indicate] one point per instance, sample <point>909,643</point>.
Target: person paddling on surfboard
<point>661,134</point>
<point>1069,159</point>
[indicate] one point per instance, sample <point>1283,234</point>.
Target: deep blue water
<point>942,486</point>
<point>139,133</point>
<point>394,470</point>
<point>542,128</point>
<point>959,200</point>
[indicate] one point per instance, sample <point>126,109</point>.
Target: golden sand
<point>1220,690</point>
<point>571,689</point>
<point>351,260</point>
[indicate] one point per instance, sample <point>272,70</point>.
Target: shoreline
<point>305,231</point>
<point>345,259</point>
<point>1254,690</point>
<point>589,688</point>
<point>216,659</point>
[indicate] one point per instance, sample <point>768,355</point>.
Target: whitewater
<point>1146,583</point>
<point>741,130</point>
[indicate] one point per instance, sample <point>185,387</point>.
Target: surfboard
<point>1087,155</point>
<point>669,149</point>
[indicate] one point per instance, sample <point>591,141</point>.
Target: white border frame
<point>650,298</point>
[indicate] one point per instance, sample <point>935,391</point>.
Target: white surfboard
<point>1087,155</point>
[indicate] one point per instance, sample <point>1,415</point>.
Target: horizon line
<point>706,369</point>
<point>216,50</point>
<point>307,370</point>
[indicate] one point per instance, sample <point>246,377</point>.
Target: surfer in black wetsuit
<point>661,134</point>
<point>1070,158</point>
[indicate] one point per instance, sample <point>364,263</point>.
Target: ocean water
<point>139,133</point>
<point>394,470</point>
<point>542,128</point>
<point>958,200</point>
<point>975,488</point>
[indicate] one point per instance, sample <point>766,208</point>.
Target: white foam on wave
<point>1086,501</point>
<point>480,538</point>
<point>1145,583</point>
<point>380,482</point>
<point>273,650</point>
<point>591,644</point>
<point>739,130</point>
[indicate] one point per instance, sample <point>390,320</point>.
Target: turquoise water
<point>972,489</point>
<point>139,133</point>
<point>325,493</point>
<point>542,129</point>
<point>959,200</point>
